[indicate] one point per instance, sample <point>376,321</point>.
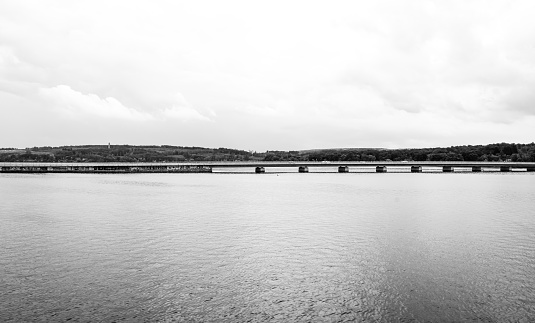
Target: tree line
<point>492,152</point>
<point>123,153</point>
<point>128,153</point>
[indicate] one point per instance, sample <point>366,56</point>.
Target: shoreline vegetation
<point>499,152</point>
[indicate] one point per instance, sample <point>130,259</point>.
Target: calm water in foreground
<point>269,247</point>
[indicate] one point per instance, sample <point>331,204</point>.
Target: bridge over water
<point>258,167</point>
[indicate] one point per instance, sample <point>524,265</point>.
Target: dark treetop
<point>127,153</point>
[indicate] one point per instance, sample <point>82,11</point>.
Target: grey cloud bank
<point>272,75</point>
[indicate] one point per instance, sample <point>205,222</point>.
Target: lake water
<point>269,247</point>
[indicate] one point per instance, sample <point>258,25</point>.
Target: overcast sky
<point>259,75</point>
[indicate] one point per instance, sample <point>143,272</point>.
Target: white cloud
<point>78,105</point>
<point>262,112</point>
<point>184,114</point>
<point>74,104</point>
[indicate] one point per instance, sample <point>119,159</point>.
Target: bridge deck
<point>208,166</point>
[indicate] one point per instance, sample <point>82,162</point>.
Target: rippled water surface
<point>269,247</point>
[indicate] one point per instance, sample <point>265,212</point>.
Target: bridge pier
<point>447,169</point>
<point>505,168</point>
<point>260,170</point>
<point>416,169</point>
<point>380,169</point>
<point>303,169</point>
<point>476,169</point>
<point>343,169</point>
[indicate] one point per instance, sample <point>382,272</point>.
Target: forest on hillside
<point>123,153</point>
<point>493,152</point>
<point>128,153</point>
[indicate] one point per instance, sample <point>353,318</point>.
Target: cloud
<point>261,111</point>
<point>274,71</point>
<point>180,109</point>
<point>78,105</point>
<point>74,104</point>
<point>184,114</point>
